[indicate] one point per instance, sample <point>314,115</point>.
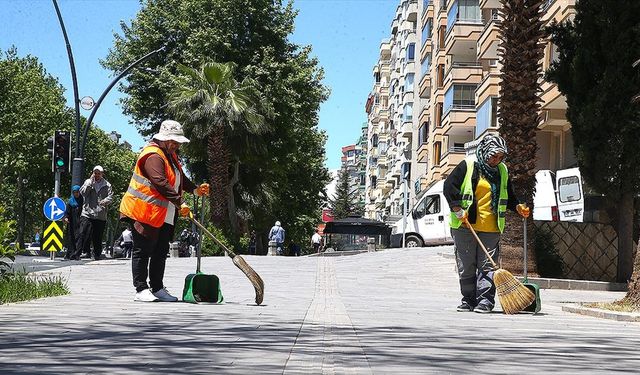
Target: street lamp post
<point>81,134</point>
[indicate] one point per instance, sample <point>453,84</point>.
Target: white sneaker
<point>145,296</point>
<point>164,296</point>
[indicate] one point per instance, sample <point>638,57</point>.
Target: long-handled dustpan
<point>536,306</point>
<point>199,287</point>
<point>253,276</point>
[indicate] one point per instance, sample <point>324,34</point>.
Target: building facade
<point>442,96</point>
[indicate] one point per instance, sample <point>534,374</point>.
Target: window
<point>460,97</point>
<point>411,51</point>
<point>408,82</point>
<point>374,140</point>
<point>426,30</point>
<point>428,206</point>
<point>350,153</point>
<point>376,100</point>
<point>376,75</point>
<point>569,189</point>
<point>423,133</point>
<point>440,75</point>
<point>441,35</point>
<point>408,112</point>
<point>436,153</point>
<point>438,116</point>
<point>382,147</point>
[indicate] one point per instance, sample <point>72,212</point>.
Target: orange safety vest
<point>142,202</point>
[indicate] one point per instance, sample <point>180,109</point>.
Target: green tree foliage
<point>594,72</point>
<point>217,107</point>
<point>32,107</point>
<point>253,34</point>
<point>344,202</point>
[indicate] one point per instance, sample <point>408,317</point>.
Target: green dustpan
<point>536,306</point>
<point>201,288</point>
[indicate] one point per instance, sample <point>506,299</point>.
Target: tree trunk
<point>218,166</point>
<point>625,237</point>
<point>21,212</point>
<point>633,295</point>
<point>231,200</point>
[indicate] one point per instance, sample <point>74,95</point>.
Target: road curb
<point>567,284</point>
<point>603,314</point>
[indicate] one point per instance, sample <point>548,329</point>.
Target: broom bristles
<point>514,296</point>
<point>253,276</point>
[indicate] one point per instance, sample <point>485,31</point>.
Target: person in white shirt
<point>316,241</point>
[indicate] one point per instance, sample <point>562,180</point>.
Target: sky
<point>345,36</point>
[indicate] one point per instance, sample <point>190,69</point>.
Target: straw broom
<point>514,296</point>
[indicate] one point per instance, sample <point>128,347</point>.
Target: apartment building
<point>392,117</point>
<point>353,161</point>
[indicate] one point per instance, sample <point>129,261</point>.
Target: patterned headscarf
<point>490,145</point>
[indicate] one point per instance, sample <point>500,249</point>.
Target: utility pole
<point>81,133</point>
<point>404,208</point>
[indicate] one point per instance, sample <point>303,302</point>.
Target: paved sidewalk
<point>387,312</point>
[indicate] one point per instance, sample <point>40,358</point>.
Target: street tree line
<point>248,98</point>
<point>32,107</point>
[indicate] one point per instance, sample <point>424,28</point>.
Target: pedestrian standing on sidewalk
<point>152,203</point>
<point>277,234</point>
<point>252,243</point>
<point>72,219</point>
<point>479,193</point>
<point>126,242</point>
<point>316,240</point>
<point>97,195</point>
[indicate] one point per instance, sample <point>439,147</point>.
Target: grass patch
<point>614,306</point>
<point>20,286</point>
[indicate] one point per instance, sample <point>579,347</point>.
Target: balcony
<point>450,159</point>
<point>424,87</point>
<point>424,113</point>
<point>425,48</point>
<point>423,153</point>
<point>412,8</point>
<point>463,36</point>
<point>551,96</point>
<point>427,10</point>
<point>489,41</point>
<point>558,10</point>
<point>463,73</point>
<point>490,4</point>
<point>489,86</point>
<point>460,120</point>
<point>406,130</point>
<point>554,120</point>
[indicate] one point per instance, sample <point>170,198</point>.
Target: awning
<point>357,225</point>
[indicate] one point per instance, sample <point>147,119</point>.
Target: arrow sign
<point>52,238</point>
<point>54,209</point>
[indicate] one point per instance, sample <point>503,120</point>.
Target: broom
<point>253,276</point>
<point>514,296</point>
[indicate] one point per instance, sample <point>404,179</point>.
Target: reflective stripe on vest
<point>466,190</point>
<point>142,202</point>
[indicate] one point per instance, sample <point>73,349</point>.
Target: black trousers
<point>91,231</point>
<point>149,259</point>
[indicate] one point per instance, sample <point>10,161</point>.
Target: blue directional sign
<point>54,209</point>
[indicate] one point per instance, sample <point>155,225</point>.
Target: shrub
<point>548,260</point>
<point>210,247</point>
<point>20,286</point>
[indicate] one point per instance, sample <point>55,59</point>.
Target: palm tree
<point>215,107</point>
<point>521,51</point>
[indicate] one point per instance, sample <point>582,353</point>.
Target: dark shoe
<point>464,307</point>
<point>483,309</point>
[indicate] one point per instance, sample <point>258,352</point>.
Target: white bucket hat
<point>171,130</point>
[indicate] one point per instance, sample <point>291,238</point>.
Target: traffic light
<point>61,151</point>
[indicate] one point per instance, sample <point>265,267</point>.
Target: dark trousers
<point>127,249</point>
<point>91,232</point>
<point>149,259</point>
<point>73,251</point>
<point>316,247</point>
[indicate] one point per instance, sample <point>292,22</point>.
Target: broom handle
<point>205,230</point>
<point>481,245</point>
<point>524,220</point>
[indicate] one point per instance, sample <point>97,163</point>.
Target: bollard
<point>272,248</point>
<point>174,249</point>
<point>371,244</point>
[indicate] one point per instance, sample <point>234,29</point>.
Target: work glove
<point>203,189</point>
<point>461,214</point>
<point>185,211</point>
<point>523,210</point>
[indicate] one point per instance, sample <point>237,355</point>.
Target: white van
<point>427,222</point>
<point>559,196</point>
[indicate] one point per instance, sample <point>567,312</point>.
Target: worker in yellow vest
<point>152,203</point>
<point>479,193</point>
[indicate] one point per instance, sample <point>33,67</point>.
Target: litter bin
<point>272,248</point>
<point>174,249</point>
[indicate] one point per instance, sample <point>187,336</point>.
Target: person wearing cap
<point>479,192</point>
<point>277,234</point>
<point>72,219</point>
<point>152,203</point>
<point>97,195</point>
